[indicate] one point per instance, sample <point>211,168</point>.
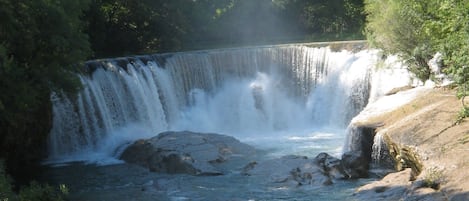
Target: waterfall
<point>239,92</point>
<point>377,148</point>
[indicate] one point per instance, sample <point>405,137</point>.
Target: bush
<point>416,30</point>
<point>433,178</point>
<point>395,26</point>
<point>5,185</point>
<point>33,192</point>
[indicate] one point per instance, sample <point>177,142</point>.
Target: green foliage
<point>450,31</point>
<point>122,27</point>
<point>449,28</point>
<point>463,113</point>
<point>127,27</point>
<point>33,192</point>
<point>41,44</point>
<point>333,16</point>
<point>416,30</point>
<point>433,178</point>
<point>5,185</point>
<point>395,26</point>
<point>40,192</point>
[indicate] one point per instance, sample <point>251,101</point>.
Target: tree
<point>416,30</point>
<point>118,28</point>
<point>396,26</point>
<point>449,31</point>
<point>41,45</point>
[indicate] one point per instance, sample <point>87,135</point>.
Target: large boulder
<point>189,153</point>
<point>295,170</point>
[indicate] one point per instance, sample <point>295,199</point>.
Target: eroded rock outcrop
<point>189,153</point>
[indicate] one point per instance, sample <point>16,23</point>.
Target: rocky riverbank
<point>209,154</point>
<point>426,143</point>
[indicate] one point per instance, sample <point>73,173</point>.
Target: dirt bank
<point>427,128</point>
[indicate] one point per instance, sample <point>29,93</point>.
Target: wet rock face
<point>188,153</point>
<point>356,164</point>
<point>298,170</point>
<point>361,140</point>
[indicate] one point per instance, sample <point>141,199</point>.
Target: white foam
<point>109,150</point>
<point>389,103</point>
<point>284,98</point>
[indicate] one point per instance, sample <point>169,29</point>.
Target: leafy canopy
<point>416,30</point>
<point>42,41</point>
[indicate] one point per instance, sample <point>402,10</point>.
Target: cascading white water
<point>250,93</point>
<point>388,74</point>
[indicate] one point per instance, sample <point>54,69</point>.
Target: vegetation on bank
<point>41,42</point>
<point>32,192</point>
<point>417,30</point>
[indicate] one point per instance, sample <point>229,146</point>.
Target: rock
<point>355,164</point>
<point>384,155</point>
<point>435,64</point>
<point>361,138</point>
<point>331,165</point>
<point>398,186</point>
<point>409,159</point>
<point>398,89</point>
<point>188,152</point>
<point>391,187</point>
<point>460,197</point>
<point>297,170</point>
<point>426,194</point>
<point>357,159</point>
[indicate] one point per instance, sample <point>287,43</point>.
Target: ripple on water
<point>130,182</point>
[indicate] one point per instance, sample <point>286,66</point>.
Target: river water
<point>132,182</point>
<point>283,100</point>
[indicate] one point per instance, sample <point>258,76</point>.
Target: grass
<point>433,178</point>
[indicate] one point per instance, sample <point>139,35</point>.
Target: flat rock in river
<point>189,153</point>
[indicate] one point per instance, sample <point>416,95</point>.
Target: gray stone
<point>331,165</point>
<point>189,153</point>
<point>355,164</point>
<point>297,170</point>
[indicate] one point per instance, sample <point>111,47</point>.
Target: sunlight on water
<point>282,100</point>
<point>266,94</point>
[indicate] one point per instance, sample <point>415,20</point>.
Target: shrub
<point>33,192</point>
